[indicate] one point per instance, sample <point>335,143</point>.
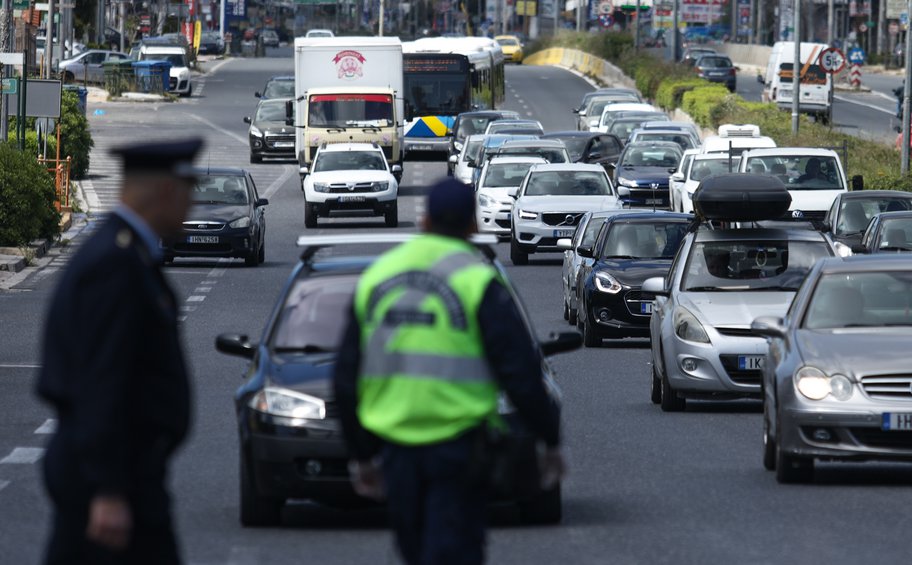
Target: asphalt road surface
<point>643,486</point>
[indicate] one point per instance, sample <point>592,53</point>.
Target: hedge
<point>671,92</point>
<point>27,197</point>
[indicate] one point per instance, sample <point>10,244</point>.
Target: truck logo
<point>349,64</point>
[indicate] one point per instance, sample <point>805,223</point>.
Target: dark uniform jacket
<point>114,372</point>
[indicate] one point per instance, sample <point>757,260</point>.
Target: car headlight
<point>321,186</point>
<point>528,215</point>
<point>379,186</point>
<point>255,131</point>
<point>688,327</point>
<point>816,385</point>
<point>842,249</point>
<point>288,403</point>
<point>593,123</point>
<point>458,145</point>
<point>606,283</point>
<point>486,201</point>
<point>627,182</point>
<point>240,223</point>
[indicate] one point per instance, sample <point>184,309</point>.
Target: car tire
<point>257,510</point>
<point>254,159</point>
<point>573,316</point>
<point>671,402</point>
<point>656,392</point>
<point>261,255</point>
<point>769,443</point>
<point>68,77</point>
<point>310,215</point>
<point>253,258</point>
<point>792,469</point>
<point>391,217</point>
<point>517,255</point>
<point>590,337</point>
<point>544,508</point>
<point>189,92</point>
<point>567,312</point>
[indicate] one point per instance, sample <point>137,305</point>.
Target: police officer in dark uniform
<point>433,336</point>
<point>113,371</point>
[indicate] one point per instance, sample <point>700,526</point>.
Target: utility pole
<point>49,40</point>
<point>761,10</point>
<point>579,14</point>
<point>831,22</point>
<point>636,29</point>
<point>222,19</point>
<point>120,23</point>
<point>380,33</point>
<point>881,25</point>
<point>734,21</point>
<point>6,36</point>
<point>907,100</point>
<point>796,67</point>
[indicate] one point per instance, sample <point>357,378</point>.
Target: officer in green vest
<point>433,337</point>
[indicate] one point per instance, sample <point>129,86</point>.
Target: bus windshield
<point>350,110</point>
<point>437,94</point>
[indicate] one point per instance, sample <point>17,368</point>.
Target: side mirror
<point>825,226</point>
<point>303,171</point>
<point>678,177</point>
<point>564,244</point>
<point>769,326</point>
<point>585,251</point>
<point>859,249</point>
<point>594,156</point>
<point>453,159</point>
<point>513,192</point>
<point>574,110</point>
<point>623,192</point>
<point>760,79</point>
<point>611,166</point>
<point>857,182</point>
<point>471,163</point>
<point>235,344</point>
<point>655,285</point>
<point>257,94</point>
<point>561,343</point>
<point>396,169</point>
<point>672,170</point>
<point>247,119</point>
<point>262,202</point>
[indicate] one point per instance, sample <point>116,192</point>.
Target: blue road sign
<point>856,56</point>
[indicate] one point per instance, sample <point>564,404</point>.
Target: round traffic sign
<point>832,60</point>
<point>862,28</point>
<point>605,8</point>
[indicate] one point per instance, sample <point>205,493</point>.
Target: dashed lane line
<point>48,427</point>
<point>4,484</point>
<point>23,456</point>
<point>195,298</point>
<point>865,104</point>
<point>20,366</point>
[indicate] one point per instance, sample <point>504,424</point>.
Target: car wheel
<point>256,158</point>
<point>261,256</point>
<point>656,392</point>
<point>310,215</point>
<point>517,255</point>
<point>769,442</point>
<point>391,217</point>
<point>573,316</point>
<point>671,402</point>
<point>253,258</point>
<point>590,337</point>
<point>257,510</point>
<point>792,469</point>
<point>544,508</point>
<point>189,92</point>
<point>567,312</point>
<point>68,77</point>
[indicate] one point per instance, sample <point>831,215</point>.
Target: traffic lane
<point>546,94</point>
<point>867,116</point>
<point>749,87</point>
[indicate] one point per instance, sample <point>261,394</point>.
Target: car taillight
<point>731,71</point>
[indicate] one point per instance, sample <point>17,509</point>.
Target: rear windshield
<point>714,62</point>
<point>706,167</point>
<point>651,157</point>
<point>472,126</point>
<point>279,89</point>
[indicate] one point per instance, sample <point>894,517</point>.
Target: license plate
<point>284,143</point>
<point>560,234</point>
<point>351,199</point>
<point>896,422</point>
<point>750,362</point>
<point>202,239</point>
<point>421,147</point>
<point>646,308</point>
<point>653,201</point>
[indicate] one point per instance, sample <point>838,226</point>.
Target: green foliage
<point>705,104</point>
<point>26,199</point>
<point>75,138</point>
<point>670,92</point>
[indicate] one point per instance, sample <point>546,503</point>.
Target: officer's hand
<point>110,521</point>
<point>367,479</point>
<point>553,468</point>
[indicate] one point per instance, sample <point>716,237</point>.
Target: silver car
<point>88,66</point>
<point>550,203</point>
<point>836,382</point>
<point>500,177</point>
<point>465,162</point>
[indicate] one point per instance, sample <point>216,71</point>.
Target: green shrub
<point>75,138</point>
<point>704,104</point>
<point>671,92</point>
<point>26,199</point>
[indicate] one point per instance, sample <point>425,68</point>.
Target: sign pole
<point>6,33</point>
<point>23,92</point>
<point>907,100</point>
<point>796,68</point>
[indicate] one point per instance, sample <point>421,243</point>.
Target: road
<point>643,486</point>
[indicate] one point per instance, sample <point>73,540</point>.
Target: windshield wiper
<point>619,257</point>
<point>310,348</point>
<point>703,288</point>
<point>778,288</point>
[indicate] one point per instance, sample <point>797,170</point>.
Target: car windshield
<point>665,157</point>
<point>506,174</point>
<point>896,233</point>
<point>350,110</point>
<point>507,41</point>
<point>644,240</point>
<point>220,189</point>
<point>349,161</point>
<point>596,105</point>
<point>845,300</point>
<point>513,126</point>
<point>472,126</point>
<point>175,60</point>
<point>550,154</point>
<point>739,265</point>
<point>568,183</point>
<point>800,172</point>
<point>856,214</point>
<point>681,139</point>
<point>279,89</point>
<point>714,63</point>
<point>314,315</point>
<point>623,128</point>
<point>271,111</point>
<point>575,146</point>
<point>706,167</point>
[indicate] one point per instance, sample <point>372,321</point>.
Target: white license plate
<point>421,147</point>
<point>646,308</point>
<point>284,143</point>
<point>351,199</point>
<point>202,239</point>
<point>750,362</point>
<point>896,422</point>
<point>653,201</point>
<point>563,233</point>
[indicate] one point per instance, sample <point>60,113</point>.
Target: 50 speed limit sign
<point>832,60</point>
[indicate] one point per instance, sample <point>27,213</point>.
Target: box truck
<point>816,94</point>
<point>347,89</point>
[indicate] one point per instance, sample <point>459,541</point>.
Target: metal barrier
<point>60,168</point>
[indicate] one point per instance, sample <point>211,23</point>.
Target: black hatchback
<point>717,68</point>
<point>227,219</point>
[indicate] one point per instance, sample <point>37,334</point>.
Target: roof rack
<point>311,244</point>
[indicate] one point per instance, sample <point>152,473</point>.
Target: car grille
<point>560,219</point>
<point>203,226</point>
<point>740,376</point>
<point>634,299</point>
<point>503,223</point>
<point>874,437</point>
<point>345,188</point>
<point>737,332</point>
<point>893,387</point>
<point>806,215</point>
<point>271,140</point>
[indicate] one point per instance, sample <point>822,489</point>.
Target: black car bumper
<point>625,314</point>
<point>226,242</point>
<point>272,147</point>
<point>647,198</point>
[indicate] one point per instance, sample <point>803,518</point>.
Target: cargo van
<point>816,85</point>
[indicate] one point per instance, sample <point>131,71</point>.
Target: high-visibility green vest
<point>424,377</point>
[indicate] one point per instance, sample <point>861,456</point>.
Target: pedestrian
<point>113,371</point>
<point>433,335</point>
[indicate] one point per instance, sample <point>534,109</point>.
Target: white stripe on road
<point>196,298</point>
<point>19,366</point>
<point>202,289</point>
<point>865,104</point>
<point>48,427</point>
<point>4,484</point>
<point>23,455</point>
<point>219,129</point>
<point>289,170</point>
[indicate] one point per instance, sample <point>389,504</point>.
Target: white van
<point>735,139</point>
<point>816,85</point>
<point>177,56</point>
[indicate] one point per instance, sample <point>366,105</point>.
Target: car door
<point>568,269</point>
<point>663,306</point>
<point>259,212</point>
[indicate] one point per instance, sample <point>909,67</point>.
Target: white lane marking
<point>217,272</point>
<point>23,455</point>
<point>528,113</point>
<point>218,66</point>
<point>91,197</point>
<point>289,170</point>
<point>182,319</point>
<point>186,308</point>
<point>196,298</point>
<point>181,272</point>
<point>220,129</point>
<point>202,289</point>
<point>4,484</point>
<point>865,104</point>
<point>48,427</point>
<point>19,366</point>
<point>525,106</point>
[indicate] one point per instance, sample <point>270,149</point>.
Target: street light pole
<point>380,33</point>
<point>796,67</point>
<point>831,22</point>
<point>907,99</point>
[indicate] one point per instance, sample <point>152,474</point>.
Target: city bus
<point>444,77</point>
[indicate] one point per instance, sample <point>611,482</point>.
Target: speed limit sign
<point>831,60</point>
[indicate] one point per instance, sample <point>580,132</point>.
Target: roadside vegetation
<point>671,85</point>
<point>27,196</point>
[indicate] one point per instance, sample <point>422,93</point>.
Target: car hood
<point>632,272</point>
<point>499,193</point>
<point>274,126</point>
<point>216,212</point>
<point>350,176</point>
<point>645,175</point>
<point>573,204</point>
<point>736,309</point>
<point>310,374</point>
<point>813,200</point>
<point>856,350</point>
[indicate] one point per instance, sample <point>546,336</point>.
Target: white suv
<point>499,177</point>
<point>350,176</point>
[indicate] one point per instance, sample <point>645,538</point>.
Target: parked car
<point>269,135</point>
<point>176,55</point>
<point>88,66</point>
<point>270,38</point>
<point>211,43</point>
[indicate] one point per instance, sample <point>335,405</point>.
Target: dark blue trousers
<point>437,511</point>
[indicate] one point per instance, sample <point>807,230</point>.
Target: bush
<point>671,92</point>
<point>75,138</point>
<point>27,198</point>
<point>705,104</point>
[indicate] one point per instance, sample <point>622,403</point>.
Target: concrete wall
<point>585,63</point>
<point>745,54</point>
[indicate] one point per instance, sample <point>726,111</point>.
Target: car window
<point>591,231</point>
<point>843,300</point>
<point>714,62</point>
<point>313,316</point>
<point>567,183</point>
<point>685,162</point>
<point>716,266</point>
<point>472,150</point>
<point>799,172</point>
<point>702,168</point>
<point>683,140</point>
<point>644,240</point>
<point>472,126</point>
<point>509,41</point>
<point>349,161</point>
<point>895,234</point>
<point>855,214</point>
<point>271,111</point>
<point>174,59</point>
<point>651,157</point>
<point>506,174</point>
<point>220,189</point>
<point>279,89</point>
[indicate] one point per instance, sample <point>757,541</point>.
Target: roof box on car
<point>741,197</point>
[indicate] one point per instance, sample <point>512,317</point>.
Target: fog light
<point>604,315</point>
<point>313,467</point>
<point>689,364</point>
<point>257,143</point>
<point>822,434</point>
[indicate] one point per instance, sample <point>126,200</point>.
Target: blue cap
<point>451,205</point>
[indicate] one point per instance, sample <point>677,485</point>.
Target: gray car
<point>88,66</point>
<point>836,382</point>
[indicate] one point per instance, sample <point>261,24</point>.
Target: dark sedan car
<point>628,249</point>
<point>717,68</point>
<point>291,444</point>
<point>890,232</point>
<point>211,43</point>
<point>589,147</point>
<point>278,87</point>
<point>269,135</point>
<point>227,219</point>
<point>643,168</point>
<point>851,212</point>
<point>472,123</point>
